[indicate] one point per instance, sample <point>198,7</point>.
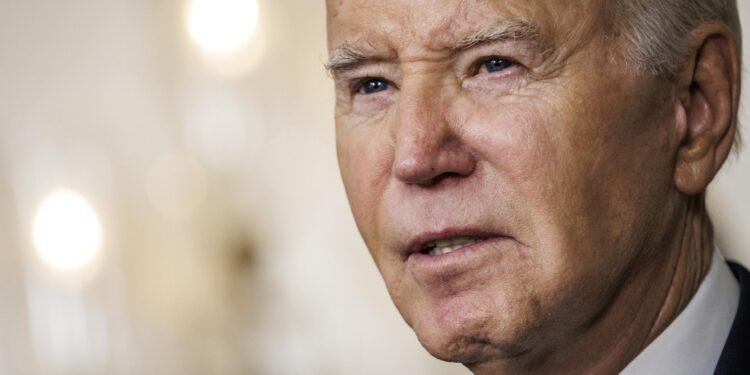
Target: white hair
<point>657,32</point>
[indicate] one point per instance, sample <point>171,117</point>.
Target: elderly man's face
<point>504,169</point>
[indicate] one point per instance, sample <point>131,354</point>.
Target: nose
<point>428,145</point>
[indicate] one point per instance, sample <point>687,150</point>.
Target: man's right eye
<point>372,86</point>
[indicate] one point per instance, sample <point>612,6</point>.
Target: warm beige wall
<point>268,275</point>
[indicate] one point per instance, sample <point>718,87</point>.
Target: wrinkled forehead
<point>434,24</point>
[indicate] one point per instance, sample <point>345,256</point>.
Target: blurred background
<point>170,201</point>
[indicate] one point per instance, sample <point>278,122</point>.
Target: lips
<point>448,245</point>
<point>447,241</point>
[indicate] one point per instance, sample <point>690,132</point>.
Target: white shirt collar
<point>692,343</point>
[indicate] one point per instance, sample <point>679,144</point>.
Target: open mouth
<point>448,245</point>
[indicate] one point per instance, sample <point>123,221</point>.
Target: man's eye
<point>373,86</point>
<point>495,65</point>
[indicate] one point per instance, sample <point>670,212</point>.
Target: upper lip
<point>420,241</point>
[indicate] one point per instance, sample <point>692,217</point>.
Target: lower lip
<point>465,257</point>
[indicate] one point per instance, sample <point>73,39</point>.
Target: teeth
<point>444,243</point>
<point>448,245</point>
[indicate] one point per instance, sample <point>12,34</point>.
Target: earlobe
<point>708,119</point>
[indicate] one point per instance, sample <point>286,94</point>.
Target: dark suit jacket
<point>735,357</point>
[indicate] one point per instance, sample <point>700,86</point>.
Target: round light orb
<point>67,232</point>
<point>222,26</point>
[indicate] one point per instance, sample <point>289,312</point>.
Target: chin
<point>475,329</point>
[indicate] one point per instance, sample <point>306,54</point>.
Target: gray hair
<point>657,32</point>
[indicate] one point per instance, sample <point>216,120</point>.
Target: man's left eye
<point>373,86</point>
<point>495,65</point>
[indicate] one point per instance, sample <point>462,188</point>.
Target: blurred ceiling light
<point>222,26</point>
<point>67,232</point>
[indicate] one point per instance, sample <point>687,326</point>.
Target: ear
<point>709,90</point>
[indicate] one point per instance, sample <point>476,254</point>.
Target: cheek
<point>518,142</point>
<point>561,171</point>
<point>589,173</point>
<point>365,164</point>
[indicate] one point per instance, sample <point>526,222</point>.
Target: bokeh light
<point>222,26</point>
<point>67,232</point>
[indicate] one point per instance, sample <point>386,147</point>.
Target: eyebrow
<point>513,30</point>
<point>348,56</point>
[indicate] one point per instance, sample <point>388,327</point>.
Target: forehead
<point>434,24</point>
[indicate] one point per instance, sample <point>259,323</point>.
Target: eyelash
<point>357,85</point>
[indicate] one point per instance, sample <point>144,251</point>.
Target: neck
<point>654,294</point>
